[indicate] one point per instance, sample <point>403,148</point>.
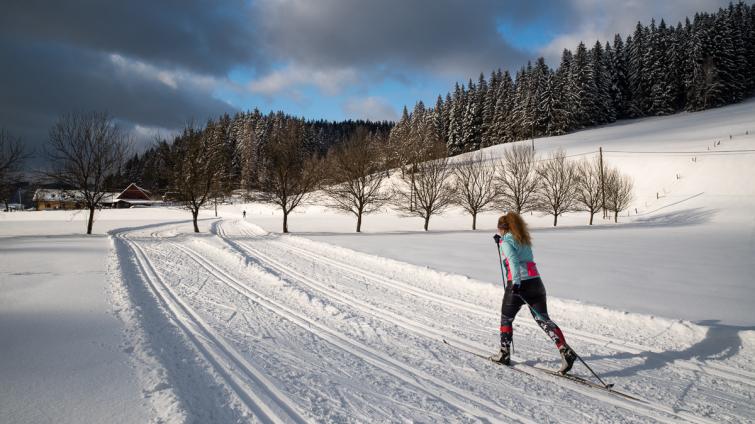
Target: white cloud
<point>372,108</point>
<point>286,80</point>
<point>602,19</point>
<point>172,78</point>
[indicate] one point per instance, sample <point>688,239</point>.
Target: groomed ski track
<point>290,330</point>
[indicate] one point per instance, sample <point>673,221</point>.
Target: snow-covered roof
<point>130,189</point>
<point>109,197</point>
<point>139,202</point>
<point>51,194</point>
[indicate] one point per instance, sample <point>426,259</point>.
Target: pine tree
<point>583,89</point>
<point>488,112</point>
<point>541,86</point>
<point>657,60</point>
<point>518,118</point>
<point>619,89</point>
<point>456,122</point>
<point>503,103</point>
<point>472,120</point>
<point>603,105</point>
<point>438,119</point>
<point>636,72</point>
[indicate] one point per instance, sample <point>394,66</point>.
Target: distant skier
<point>243,214</point>
<point>524,283</point>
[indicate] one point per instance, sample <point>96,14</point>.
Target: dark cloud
<point>441,36</point>
<point>202,35</point>
<point>156,64</point>
<point>40,81</point>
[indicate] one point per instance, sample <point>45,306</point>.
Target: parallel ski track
<point>715,370</point>
<point>460,400</point>
<point>595,339</point>
<point>652,409</point>
<point>270,405</point>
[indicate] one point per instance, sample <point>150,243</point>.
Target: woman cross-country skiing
<point>524,284</point>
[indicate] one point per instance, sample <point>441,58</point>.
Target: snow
<point>242,324</point>
<point>60,356</point>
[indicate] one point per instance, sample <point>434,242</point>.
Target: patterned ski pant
<point>533,291</point>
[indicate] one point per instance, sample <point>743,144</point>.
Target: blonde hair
<point>514,224</point>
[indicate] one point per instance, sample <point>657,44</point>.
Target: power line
<point>702,152</point>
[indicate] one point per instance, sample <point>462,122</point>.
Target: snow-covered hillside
<point>243,324</point>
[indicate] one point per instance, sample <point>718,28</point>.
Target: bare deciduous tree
<point>12,156</point>
<point>288,173</point>
<point>83,150</point>
<point>474,185</point>
<point>589,190</point>
<point>355,175</point>
<point>431,185</point>
<point>618,192</point>
<point>196,170</point>
<point>517,180</point>
<point>556,193</point>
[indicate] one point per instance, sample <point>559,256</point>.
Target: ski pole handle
<point>497,239</point>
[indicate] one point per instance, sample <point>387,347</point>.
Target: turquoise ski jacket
<point>518,260</point>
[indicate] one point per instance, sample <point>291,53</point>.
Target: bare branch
<point>356,171</point>
<point>288,175</point>
<point>588,192</point>
<point>474,185</point>
<point>516,179</point>
<point>12,156</point>
<point>427,190</point>
<point>556,193</point>
<point>618,192</point>
<point>83,150</point>
<point>197,168</point>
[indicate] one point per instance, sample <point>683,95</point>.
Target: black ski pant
<point>533,291</point>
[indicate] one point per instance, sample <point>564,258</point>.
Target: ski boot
<point>568,356</point>
<point>503,356</point>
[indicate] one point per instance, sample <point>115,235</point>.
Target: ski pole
<point>534,311</point>
<point>497,239</point>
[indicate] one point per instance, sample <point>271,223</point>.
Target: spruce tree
<point>636,72</point>
<point>657,59</point>
<point>583,89</point>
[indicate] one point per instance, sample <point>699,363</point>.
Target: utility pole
<point>602,183</point>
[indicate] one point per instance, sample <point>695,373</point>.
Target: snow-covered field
<point>240,323</point>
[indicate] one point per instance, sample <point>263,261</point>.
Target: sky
<point>156,65</point>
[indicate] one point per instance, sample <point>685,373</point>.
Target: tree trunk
<point>194,215</point>
<point>411,196</point>
<point>285,221</point>
<point>359,222</point>
<point>592,214</point>
<point>427,221</point>
<point>616,216</point>
<point>474,221</point>
<point>555,219</point>
<point>91,220</point>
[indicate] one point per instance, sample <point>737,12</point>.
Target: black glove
<point>497,239</point>
<point>516,288</point>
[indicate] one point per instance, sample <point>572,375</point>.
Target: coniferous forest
<point>659,69</point>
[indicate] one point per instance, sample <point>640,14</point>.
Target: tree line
<point>278,158</point>
<point>519,181</point>
<point>657,70</point>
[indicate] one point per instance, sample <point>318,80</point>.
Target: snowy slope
<point>270,328</point>
<point>687,254</point>
<point>240,324</point>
